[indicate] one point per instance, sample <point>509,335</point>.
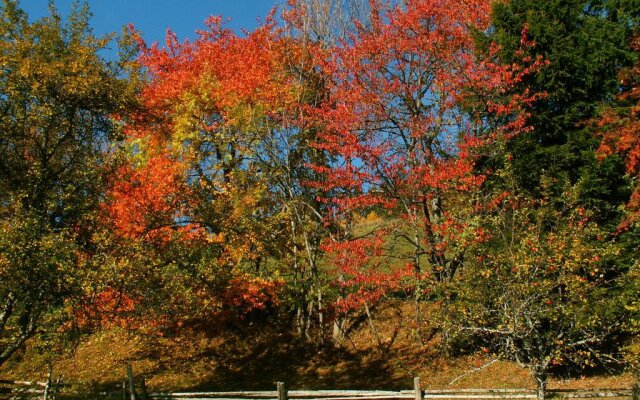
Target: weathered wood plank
<point>282,391</point>
<point>386,395</point>
<point>199,395</point>
<point>345,393</point>
<point>480,396</point>
<point>293,394</point>
<point>223,396</point>
<point>230,395</point>
<point>454,391</point>
<point>22,383</point>
<point>616,390</point>
<point>191,398</point>
<point>27,390</point>
<point>397,396</point>
<point>417,391</point>
<point>590,395</point>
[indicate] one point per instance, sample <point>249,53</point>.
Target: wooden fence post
<point>417,389</point>
<point>124,390</point>
<point>47,387</point>
<point>132,387</point>
<point>282,391</point>
<point>143,389</point>
<point>56,388</point>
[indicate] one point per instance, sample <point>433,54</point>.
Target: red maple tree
<point>412,105</point>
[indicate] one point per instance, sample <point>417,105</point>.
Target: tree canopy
<point>476,159</point>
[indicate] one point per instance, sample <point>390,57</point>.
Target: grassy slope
<point>255,358</point>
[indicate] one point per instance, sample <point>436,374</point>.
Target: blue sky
<point>153,17</point>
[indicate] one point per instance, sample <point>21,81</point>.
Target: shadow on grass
<point>258,358</point>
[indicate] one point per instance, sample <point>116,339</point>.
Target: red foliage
<point>226,69</point>
<point>622,132</point>
<point>200,93</point>
<point>247,293</point>
<point>364,278</point>
<point>410,107</point>
<point>406,120</point>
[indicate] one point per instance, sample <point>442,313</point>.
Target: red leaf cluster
<point>622,131</point>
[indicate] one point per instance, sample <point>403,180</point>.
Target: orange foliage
<point>147,200</point>
<point>228,70</point>
<point>246,293</point>
<point>622,132</point>
<point>405,115</point>
<point>187,174</point>
<point>107,308</point>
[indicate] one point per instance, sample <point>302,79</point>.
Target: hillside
<point>255,357</point>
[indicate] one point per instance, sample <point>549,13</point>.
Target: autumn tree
<point>57,94</point>
<point>311,28</point>
<point>409,110</point>
<point>285,155</point>
<point>542,288</point>
<point>549,285</point>
<point>215,161</point>
<point>560,196</point>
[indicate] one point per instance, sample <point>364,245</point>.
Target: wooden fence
<point>135,389</point>
<point>29,389</point>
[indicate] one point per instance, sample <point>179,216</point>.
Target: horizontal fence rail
<point>21,389</point>
<point>416,394</point>
<point>404,394</point>
<point>135,389</point>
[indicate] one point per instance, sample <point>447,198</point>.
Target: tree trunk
<point>132,388</point>
<point>47,388</point>
<point>540,377</point>
<point>374,331</point>
<point>339,323</point>
<point>26,332</point>
<point>7,310</point>
<point>417,295</point>
<point>320,316</point>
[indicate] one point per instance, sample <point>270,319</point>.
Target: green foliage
<point>56,94</point>
<point>552,285</point>
<point>586,43</point>
<point>38,272</point>
<point>542,295</point>
<point>544,287</point>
